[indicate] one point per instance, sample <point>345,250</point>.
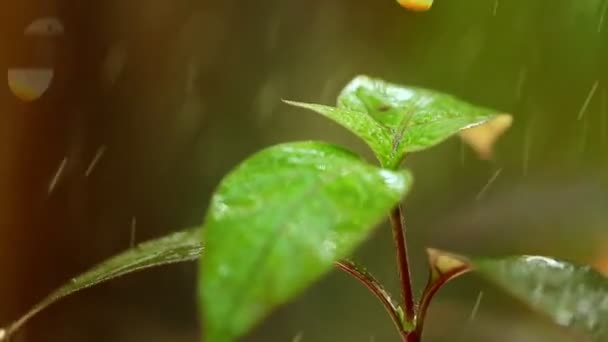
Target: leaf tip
<point>482,137</point>
<point>443,262</point>
<point>289,102</point>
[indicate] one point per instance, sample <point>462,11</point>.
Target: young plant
<point>291,212</point>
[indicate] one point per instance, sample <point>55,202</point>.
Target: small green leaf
<point>374,134</point>
<point>173,248</point>
<point>279,221</point>
<point>394,120</point>
<point>572,295</point>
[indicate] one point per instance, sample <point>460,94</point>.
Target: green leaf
<point>279,221</point>
<point>394,120</point>
<point>173,248</point>
<point>373,133</point>
<point>572,295</point>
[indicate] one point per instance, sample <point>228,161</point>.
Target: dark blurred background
<point>151,102</point>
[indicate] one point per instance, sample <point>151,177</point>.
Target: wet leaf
<point>377,137</point>
<point>173,248</point>
<point>279,221</point>
<point>395,120</point>
<point>572,295</point>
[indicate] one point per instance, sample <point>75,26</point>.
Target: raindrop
<point>495,9</point>
<point>96,158</point>
<point>600,23</point>
<point>113,64</point>
<point>463,152</point>
<point>298,338</point>
<point>476,306</point>
<point>48,26</point>
<point>29,84</point>
<point>273,34</point>
<point>488,184</point>
<point>584,133</point>
<point>521,81</point>
<point>604,113</point>
<point>588,99</point>
<point>267,100</point>
<point>2,334</point>
<point>133,230</point>
<point>527,148</point>
<point>57,175</point>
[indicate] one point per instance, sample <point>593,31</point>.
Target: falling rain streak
<point>133,230</point>
<point>488,184</point>
<point>527,148</point>
<point>463,152</point>
<point>521,81</point>
<point>495,9</point>
<point>57,175</point>
<point>584,134</point>
<point>588,100</point>
<point>100,152</point>
<point>476,306</point>
<point>298,337</point>
<point>604,116</point>
<point>600,23</point>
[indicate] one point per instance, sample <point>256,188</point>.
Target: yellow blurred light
<point>416,5</point>
<point>29,84</point>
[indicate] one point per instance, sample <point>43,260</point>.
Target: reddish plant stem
<point>375,287</point>
<point>412,337</point>
<point>407,295</point>
<point>431,289</point>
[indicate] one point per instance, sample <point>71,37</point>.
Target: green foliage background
<point>201,89</point>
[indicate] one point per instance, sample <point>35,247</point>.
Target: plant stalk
<point>407,296</point>
<point>433,285</point>
<point>374,286</point>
